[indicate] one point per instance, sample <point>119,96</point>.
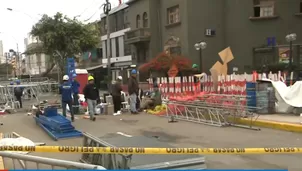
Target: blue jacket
<point>66,90</point>
<point>75,86</point>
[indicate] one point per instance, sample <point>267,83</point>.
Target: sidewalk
<point>276,121</point>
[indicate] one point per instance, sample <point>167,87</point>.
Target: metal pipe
<point>50,161</point>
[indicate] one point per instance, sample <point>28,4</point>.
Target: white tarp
<point>20,141</point>
<point>287,97</point>
<point>290,95</point>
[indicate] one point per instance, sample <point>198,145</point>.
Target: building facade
<point>37,63</point>
<point>121,58</point>
<point>254,29</point>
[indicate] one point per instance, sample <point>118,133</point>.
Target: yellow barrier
<point>131,150</point>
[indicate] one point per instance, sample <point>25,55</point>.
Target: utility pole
<point>19,61</point>
<point>107,9</point>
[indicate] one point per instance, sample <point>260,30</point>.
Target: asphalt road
<point>180,134</point>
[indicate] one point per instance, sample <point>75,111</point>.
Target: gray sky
<point>16,24</point>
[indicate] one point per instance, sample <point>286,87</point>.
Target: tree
<point>63,37</point>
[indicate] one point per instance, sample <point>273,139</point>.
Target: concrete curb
<point>273,125</point>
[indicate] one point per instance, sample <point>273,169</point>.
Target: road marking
<point>123,134</point>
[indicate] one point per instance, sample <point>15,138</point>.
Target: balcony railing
<point>141,33</point>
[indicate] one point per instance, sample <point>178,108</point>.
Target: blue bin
<point>50,111</point>
<point>251,96</point>
<point>250,86</point>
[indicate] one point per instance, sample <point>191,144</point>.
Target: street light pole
<point>107,9</point>
<point>200,47</point>
<point>290,38</point>
<point>201,62</point>
<point>290,56</point>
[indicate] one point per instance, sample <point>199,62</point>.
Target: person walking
<point>117,94</point>
<point>92,97</point>
<point>76,87</point>
<point>133,89</point>
<point>66,90</point>
<point>18,92</point>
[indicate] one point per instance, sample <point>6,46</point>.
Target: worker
<point>66,91</point>
<point>152,101</point>
<point>92,97</point>
<point>76,87</point>
<point>117,94</point>
<point>18,91</point>
<point>133,90</point>
<point>196,79</point>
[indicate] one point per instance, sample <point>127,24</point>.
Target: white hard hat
<point>65,78</point>
<point>120,77</point>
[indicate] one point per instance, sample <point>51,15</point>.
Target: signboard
<point>284,53</point>
<point>173,71</point>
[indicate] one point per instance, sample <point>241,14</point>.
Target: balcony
<point>138,35</point>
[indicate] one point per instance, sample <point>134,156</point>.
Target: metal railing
<point>24,161</point>
<point>137,33</point>
<point>109,161</point>
<point>44,163</point>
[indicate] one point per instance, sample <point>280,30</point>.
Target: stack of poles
<point>234,84</point>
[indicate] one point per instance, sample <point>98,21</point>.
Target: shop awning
<point>96,67</point>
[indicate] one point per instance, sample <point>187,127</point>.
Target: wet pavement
<point>180,134</point>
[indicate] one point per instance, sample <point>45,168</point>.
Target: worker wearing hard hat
<point>92,97</point>
<point>76,87</point>
<point>133,90</point>
<point>66,91</point>
<point>195,71</point>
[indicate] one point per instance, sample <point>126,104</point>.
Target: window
<point>264,8</point>
<point>127,48</point>
<point>138,21</point>
<point>117,47</point>
<point>145,20</point>
<point>301,6</point>
<point>173,15</point>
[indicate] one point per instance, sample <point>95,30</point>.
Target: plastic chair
<point>125,104</point>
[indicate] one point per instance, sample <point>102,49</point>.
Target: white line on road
<point>123,134</point>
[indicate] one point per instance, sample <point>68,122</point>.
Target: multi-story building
<point>121,57</point>
<point>254,29</point>
<point>2,58</point>
<point>35,63</point>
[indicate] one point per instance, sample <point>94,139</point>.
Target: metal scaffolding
<point>213,109</point>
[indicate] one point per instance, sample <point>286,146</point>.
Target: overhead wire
<point>94,12</point>
<point>88,7</point>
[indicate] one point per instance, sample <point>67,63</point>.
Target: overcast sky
<point>16,24</point>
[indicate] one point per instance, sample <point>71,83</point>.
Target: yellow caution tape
<point>139,150</point>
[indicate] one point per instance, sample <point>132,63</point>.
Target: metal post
<point>200,57</point>
<point>290,56</point>
<point>108,44</point>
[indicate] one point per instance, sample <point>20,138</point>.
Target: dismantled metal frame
<point>215,112</point>
<point>120,161</point>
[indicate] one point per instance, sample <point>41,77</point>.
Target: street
<point>180,134</point>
